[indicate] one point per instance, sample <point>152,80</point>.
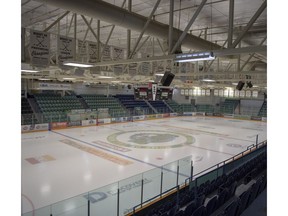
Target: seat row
<point>216,197</point>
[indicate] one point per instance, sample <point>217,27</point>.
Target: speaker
<point>167,78</point>
<point>249,84</point>
<point>240,85</point>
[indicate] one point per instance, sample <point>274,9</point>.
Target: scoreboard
<point>147,92</point>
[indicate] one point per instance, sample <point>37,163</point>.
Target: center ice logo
<point>146,138</point>
<point>149,139</point>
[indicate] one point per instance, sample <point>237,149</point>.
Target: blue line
<point>126,156</point>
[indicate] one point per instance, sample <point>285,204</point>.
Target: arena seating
<point>135,107</point>
<point>54,107</point>
<point>263,110</point>
<point>160,106</point>
<point>229,106</point>
<point>114,106</point>
<point>188,108</point>
<point>205,108</point>
<point>229,194</point>
<point>27,114</point>
<point>175,106</point>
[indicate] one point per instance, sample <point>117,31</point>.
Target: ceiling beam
<point>89,26</point>
<point>130,20</point>
<point>252,55</point>
<point>56,21</point>
<point>250,23</point>
<point>195,15</point>
<point>144,28</point>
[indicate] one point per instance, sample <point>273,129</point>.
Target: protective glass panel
<point>103,201</point>
<point>71,207</point>
<point>184,169</point>
<point>130,193</point>
<point>151,183</point>
<point>169,176</point>
<point>39,212</point>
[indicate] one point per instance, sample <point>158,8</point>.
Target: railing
<point>212,172</point>
<point>120,197</point>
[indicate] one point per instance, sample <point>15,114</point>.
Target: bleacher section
<point>263,110</point>
<point>187,108</point>
<point>115,108</point>
<point>175,106</point>
<point>27,115</point>
<point>51,107</point>
<point>229,106</point>
<point>229,193</point>
<point>54,107</point>
<point>160,106</point>
<point>135,107</point>
<point>205,108</point>
<point>25,106</point>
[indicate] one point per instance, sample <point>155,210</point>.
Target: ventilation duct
<point>121,17</point>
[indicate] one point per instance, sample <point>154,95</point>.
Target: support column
<point>98,41</point>
<point>75,33</point>
<point>171,16</point>
<point>129,31</point>
<point>231,23</point>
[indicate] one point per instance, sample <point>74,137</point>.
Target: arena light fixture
<point>208,80</point>
<point>104,77</point>
<point>68,78</point>
<point>190,57</point>
<point>77,64</point>
<point>29,71</point>
<point>159,74</point>
<point>44,79</point>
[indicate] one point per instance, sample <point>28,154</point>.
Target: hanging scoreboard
<point>153,93</point>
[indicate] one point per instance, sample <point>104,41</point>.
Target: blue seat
<point>254,191</point>
<point>262,185</point>
<point>190,208</point>
<point>180,213</point>
<point>244,199</point>
<point>222,197</point>
<point>200,211</point>
<point>211,205</point>
<point>232,208</point>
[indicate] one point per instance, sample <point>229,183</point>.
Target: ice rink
<point>60,164</point>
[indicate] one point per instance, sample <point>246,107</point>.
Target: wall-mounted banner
<point>36,127</point>
<point>54,86</point>
<point>82,50</point>
<point>118,53</point>
<point>40,48</point>
<point>66,49</point>
<point>58,125</point>
<point>92,52</point>
<point>154,90</point>
<point>106,52</point>
<point>88,122</point>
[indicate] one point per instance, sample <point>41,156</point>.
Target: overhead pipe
<point>130,20</point>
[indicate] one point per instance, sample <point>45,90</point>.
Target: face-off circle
<point>151,139</point>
